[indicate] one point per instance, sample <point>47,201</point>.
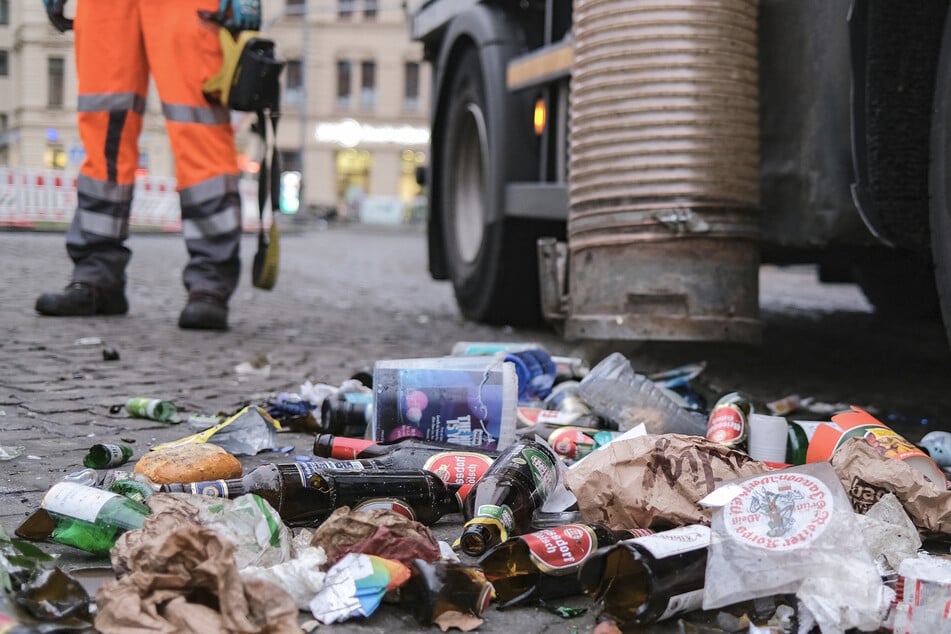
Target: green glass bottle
<point>107,456</point>
<point>797,443</point>
<point>89,518</point>
<point>153,408</point>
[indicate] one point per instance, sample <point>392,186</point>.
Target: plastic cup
<point>768,436</point>
<point>469,401</point>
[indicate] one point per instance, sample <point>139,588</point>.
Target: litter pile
<point>623,488</point>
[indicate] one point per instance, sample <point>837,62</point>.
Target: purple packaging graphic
<point>469,401</point>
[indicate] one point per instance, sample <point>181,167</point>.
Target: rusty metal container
<point>664,140</point>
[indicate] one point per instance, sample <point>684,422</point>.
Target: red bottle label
<point>561,550</point>
<point>727,425</point>
<point>347,448</point>
<point>463,468</point>
<point>571,442</point>
<point>388,504</point>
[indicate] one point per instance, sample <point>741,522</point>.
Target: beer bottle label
<point>462,468</point>
<point>676,541</point>
<point>499,516</point>
<point>727,425</point>
<point>76,501</point>
<point>572,442</point>
<point>313,467</point>
<point>387,504</point>
<point>560,550</point>
<point>543,471</point>
<point>685,602</point>
<point>212,489</point>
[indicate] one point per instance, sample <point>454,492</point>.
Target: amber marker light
<point>540,116</point>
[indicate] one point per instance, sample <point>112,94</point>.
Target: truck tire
<point>939,177</point>
<point>899,284</point>
<point>492,263</point>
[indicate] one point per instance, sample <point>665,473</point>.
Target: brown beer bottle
<point>458,466</point>
<point>545,564</point>
<point>651,578</point>
<point>305,495</point>
<point>503,501</point>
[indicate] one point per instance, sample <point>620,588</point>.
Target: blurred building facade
<point>355,100</point>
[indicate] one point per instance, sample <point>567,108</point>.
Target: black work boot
<point>81,299</point>
<point>204,312</point>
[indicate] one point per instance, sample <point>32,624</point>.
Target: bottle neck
<point>343,448</point>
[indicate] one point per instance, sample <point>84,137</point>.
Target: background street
<point>349,295</point>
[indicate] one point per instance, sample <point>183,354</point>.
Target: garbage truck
<point>622,168</point>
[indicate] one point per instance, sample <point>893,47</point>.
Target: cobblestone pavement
<point>349,295</point>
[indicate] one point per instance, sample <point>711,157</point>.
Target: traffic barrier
<point>46,199</point>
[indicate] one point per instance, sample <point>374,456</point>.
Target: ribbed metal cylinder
<point>664,171</point>
<point>664,103</point>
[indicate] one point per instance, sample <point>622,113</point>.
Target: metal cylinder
<point>664,164</point>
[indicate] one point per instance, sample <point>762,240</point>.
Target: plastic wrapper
<point>247,433</point>
<point>302,576</point>
<point>794,531</point>
<point>376,532</point>
<point>355,586</point>
<point>615,391</point>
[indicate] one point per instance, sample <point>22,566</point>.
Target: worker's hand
<point>245,14</point>
<point>54,10</point>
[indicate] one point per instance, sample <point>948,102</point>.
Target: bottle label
<point>727,425</point>
<point>387,504</point>
<point>314,467</point>
<point>462,468</point>
<point>114,457</point>
<point>210,489</point>
<point>676,541</point>
<point>501,516</point>
<point>685,602</point>
<point>573,443</point>
<point>561,550</point>
<point>543,471</point>
<point>77,501</point>
<point>779,511</point>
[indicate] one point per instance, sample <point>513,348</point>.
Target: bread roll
<point>194,462</point>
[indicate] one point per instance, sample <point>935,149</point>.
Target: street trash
<point>729,420</point>
<point>36,593</point>
<point>922,607</point>
<point>544,564</point>
<point>186,580</point>
<point>615,391</point>
<point>768,438</point>
<point>857,423</point>
<point>377,532</point>
<point>502,503</point>
<point>258,367</point>
<point>866,475</point>
<point>10,452</point>
<point>570,442</point>
<point>346,414</point>
<point>654,481</point>
<point>446,594</point>
<point>89,518</point>
<point>107,456</point>
<point>649,578</point>
<point>536,373</point>
<point>461,400</point>
<point>305,495</point>
<point>110,354</point>
<point>794,531</point>
<point>246,433</point>
<point>784,406</point>
<point>302,577</point>
<point>938,444</point>
<point>292,411</point>
<point>188,463</point>
<point>153,409</point>
<point>355,586</point>
<point>889,533</point>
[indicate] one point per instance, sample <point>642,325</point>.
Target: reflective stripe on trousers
<point>118,43</point>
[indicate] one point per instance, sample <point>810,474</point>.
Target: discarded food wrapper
<point>355,586</point>
<point>377,532</point>
<point>924,596</point>
<point>259,366</point>
<point>654,480</point>
<point>247,433</point>
<point>890,534</point>
<point>857,423</point>
<point>866,477</point>
<point>301,576</point>
<point>794,531</point>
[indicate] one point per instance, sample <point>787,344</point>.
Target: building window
<point>294,86</point>
<point>4,11</point>
<point>345,9</point>
<point>370,9</point>
<point>295,7</point>
<point>344,72</point>
<point>54,74</point>
<point>368,84</point>
<point>4,62</point>
<point>411,86</point>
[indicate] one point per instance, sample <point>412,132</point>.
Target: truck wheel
<point>492,263</point>
<point>899,284</point>
<point>939,177</point>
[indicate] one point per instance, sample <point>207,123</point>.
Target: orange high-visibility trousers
<point>119,43</point>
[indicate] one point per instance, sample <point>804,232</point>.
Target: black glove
<point>54,10</point>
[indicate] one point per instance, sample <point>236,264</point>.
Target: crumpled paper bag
<point>867,476</point>
<point>654,481</point>
<point>376,532</point>
<point>186,581</point>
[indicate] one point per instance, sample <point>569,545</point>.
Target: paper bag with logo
<point>654,481</point>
